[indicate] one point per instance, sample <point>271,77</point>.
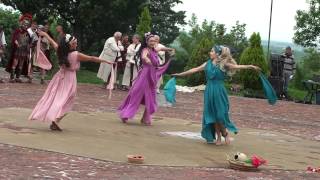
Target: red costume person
<point>20,54</point>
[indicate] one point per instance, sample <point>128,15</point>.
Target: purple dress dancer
<point>143,90</point>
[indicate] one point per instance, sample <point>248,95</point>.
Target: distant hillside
<point>279,47</point>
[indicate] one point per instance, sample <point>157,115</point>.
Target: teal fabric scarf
<point>268,89</point>
<point>170,90</point>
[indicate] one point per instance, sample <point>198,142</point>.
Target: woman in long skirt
<point>60,94</point>
<point>216,119</point>
<point>143,90</point>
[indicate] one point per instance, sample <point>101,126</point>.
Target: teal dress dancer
<point>216,103</point>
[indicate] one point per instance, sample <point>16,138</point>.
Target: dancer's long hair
<point>63,51</point>
<point>226,58</point>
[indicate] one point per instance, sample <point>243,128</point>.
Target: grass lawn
<point>297,94</point>
<point>83,76</point>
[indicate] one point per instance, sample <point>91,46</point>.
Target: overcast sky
<point>254,13</point>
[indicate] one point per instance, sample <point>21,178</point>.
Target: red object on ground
<point>256,161</point>
<point>317,170</point>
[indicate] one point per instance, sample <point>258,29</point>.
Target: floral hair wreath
<point>69,38</point>
<point>148,35</point>
<point>218,49</point>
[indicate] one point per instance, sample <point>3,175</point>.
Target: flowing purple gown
<point>143,90</point>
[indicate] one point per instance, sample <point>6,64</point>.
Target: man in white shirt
<point>161,54</point>
<point>111,49</point>
<point>289,67</point>
<point>3,44</point>
<point>131,68</point>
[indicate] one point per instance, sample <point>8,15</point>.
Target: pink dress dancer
<point>59,97</point>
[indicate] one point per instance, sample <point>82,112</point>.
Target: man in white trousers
<point>110,52</point>
<point>131,68</point>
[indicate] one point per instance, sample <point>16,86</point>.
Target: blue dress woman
<point>215,121</point>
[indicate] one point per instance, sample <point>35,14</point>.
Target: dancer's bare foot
<point>143,122</point>
<point>227,138</point>
<point>218,142</point>
<point>124,120</point>
<point>55,127</point>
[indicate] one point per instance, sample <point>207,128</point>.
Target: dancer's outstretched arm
<point>239,67</point>
<point>191,71</point>
<point>165,49</point>
<point>52,42</point>
<point>83,57</point>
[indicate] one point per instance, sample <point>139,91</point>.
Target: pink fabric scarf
<point>42,60</point>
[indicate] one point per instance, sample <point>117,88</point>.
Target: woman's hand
<point>42,33</point>
<point>175,75</point>
<point>172,51</point>
<point>255,68</point>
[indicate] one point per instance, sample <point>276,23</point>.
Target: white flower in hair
<point>147,34</point>
<point>68,36</point>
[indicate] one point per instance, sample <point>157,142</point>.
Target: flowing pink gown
<point>59,97</point>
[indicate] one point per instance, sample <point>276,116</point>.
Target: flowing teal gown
<point>216,103</point>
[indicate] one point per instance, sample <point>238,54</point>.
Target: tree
<point>144,25</point>
<point>237,39</point>
<point>307,28</point>
<point>298,77</point>
<point>93,21</point>
<point>199,56</point>
<point>312,60</point>
<point>253,55</point>
<point>165,20</point>
<point>9,22</point>
<point>215,32</point>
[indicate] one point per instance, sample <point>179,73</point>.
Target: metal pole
<point>268,52</point>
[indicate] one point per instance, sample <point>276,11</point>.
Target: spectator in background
<point>3,45</point>
<point>61,33</point>
<point>111,52</point>
<point>131,68</point>
<point>289,67</point>
<point>121,62</point>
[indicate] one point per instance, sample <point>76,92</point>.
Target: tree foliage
<point>165,20</point>
<point>253,55</point>
<point>9,22</point>
<point>199,56</point>
<point>92,21</point>
<point>216,34</point>
<point>307,28</point>
<point>298,77</point>
<point>144,22</point>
